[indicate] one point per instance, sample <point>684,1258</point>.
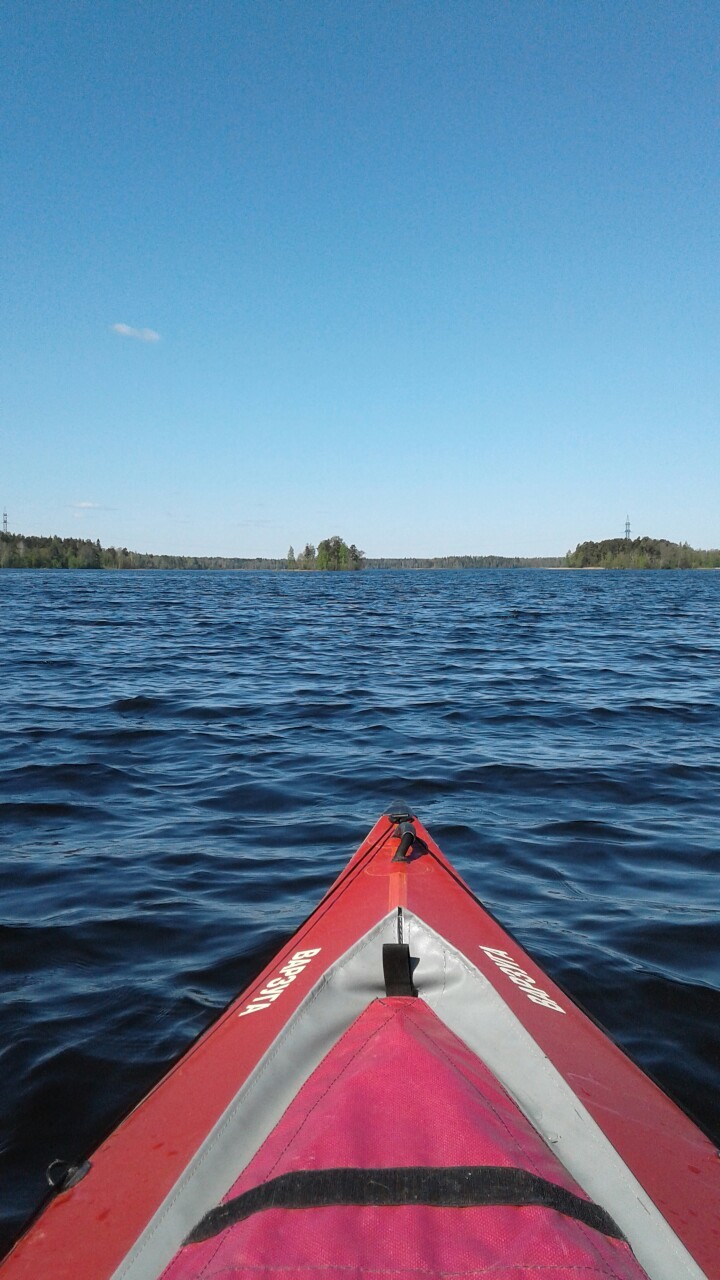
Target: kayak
<point>401,1092</point>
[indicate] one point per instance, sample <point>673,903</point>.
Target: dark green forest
<point>467,562</point>
<point>640,553</point>
<point>18,551</point>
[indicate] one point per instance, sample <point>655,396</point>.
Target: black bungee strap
<point>459,1187</point>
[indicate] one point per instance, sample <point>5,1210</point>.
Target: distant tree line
<point>20,552</point>
<point>640,553</point>
<point>332,553</point>
<point>466,562</point>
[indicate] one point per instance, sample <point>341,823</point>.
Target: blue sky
<point>437,277</point>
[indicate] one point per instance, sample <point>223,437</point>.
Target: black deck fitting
<point>397,970</point>
<point>400,812</point>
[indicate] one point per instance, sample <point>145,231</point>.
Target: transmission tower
<point>4,521</point>
<point>627,528</point>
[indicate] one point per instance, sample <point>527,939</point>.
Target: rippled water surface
<point>190,758</point>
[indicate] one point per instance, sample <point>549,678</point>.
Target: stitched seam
<point>587,1235</point>
<point>625,1178</point>
<point>245,1090</point>
<point>390,1018</point>
<point>459,1071</point>
<point>530,1268</point>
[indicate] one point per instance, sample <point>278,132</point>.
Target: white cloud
<point>143,335</point>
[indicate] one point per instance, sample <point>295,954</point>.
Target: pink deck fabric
<point>400,1089</point>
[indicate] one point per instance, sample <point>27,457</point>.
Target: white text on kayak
<point>521,979</point>
<point>276,986</point>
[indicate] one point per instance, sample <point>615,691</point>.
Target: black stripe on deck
<point>459,1187</point>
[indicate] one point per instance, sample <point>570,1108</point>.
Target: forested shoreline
<point>467,562</point>
<point>18,551</point>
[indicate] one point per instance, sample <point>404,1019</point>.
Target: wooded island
<point>332,553</point>
<point>640,553</point>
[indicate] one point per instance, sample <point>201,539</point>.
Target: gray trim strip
<point>471,1007</point>
<point>338,998</point>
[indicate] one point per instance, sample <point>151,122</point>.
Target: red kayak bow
<point>401,1091</point>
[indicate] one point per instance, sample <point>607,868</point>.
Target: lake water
<point>190,758</point>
